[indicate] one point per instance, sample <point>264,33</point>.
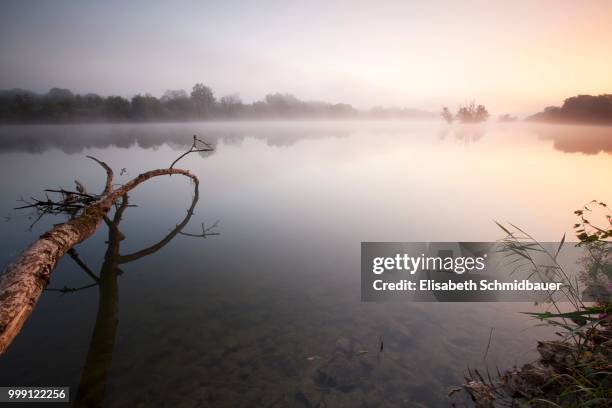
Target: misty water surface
<point>268,313</point>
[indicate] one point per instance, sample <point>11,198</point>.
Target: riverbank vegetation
<point>576,369</point>
<point>63,106</point>
<point>579,109</point>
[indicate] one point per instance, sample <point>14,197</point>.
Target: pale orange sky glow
<point>513,56</point>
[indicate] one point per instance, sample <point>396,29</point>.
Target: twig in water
<point>488,345</point>
<point>193,149</point>
<point>205,231</point>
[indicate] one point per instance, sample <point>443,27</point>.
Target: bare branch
<point>177,230</point>
<point>205,231</point>
<point>69,193</point>
<point>80,187</point>
<point>109,175</point>
<point>77,259</point>
<point>67,289</point>
<point>23,280</point>
<point>35,221</point>
<point>194,149</point>
<point>69,204</point>
<point>51,206</point>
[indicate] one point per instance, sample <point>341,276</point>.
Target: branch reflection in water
<point>93,380</point>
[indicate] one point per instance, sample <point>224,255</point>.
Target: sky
<point>513,56</point>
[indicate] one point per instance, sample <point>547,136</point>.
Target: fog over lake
<point>252,316</point>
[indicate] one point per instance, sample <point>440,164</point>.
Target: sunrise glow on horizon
<point>413,54</point>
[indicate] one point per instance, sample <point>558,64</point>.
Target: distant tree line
<point>506,118</point>
<point>62,105</point>
<point>579,109</point>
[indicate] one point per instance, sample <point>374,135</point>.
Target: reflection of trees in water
<point>464,133</point>
<point>469,134</point>
<point>578,139</point>
<point>92,385</point>
<point>566,138</point>
<point>73,139</point>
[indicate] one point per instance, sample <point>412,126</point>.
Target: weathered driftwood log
<point>23,281</point>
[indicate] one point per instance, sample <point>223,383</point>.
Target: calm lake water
<point>268,312</point>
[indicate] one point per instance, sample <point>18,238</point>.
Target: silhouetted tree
<point>146,107</point>
<point>283,104</point>
<point>58,104</point>
<point>231,105</point>
<point>581,108</point>
<point>446,115</point>
<point>472,113</point>
<point>341,110</point>
<point>90,107</point>
<point>203,99</point>
<point>116,107</point>
<point>23,106</point>
<point>61,105</point>
<point>93,100</point>
<point>59,95</point>
<point>177,104</point>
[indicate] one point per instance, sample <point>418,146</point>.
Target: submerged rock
<point>346,369</point>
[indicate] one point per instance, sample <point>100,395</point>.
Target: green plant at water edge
<point>577,369</point>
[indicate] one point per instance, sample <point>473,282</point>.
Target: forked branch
<point>206,231</point>
<point>194,149</point>
<point>109,175</point>
<point>23,281</point>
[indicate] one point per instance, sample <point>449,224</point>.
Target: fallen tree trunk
<point>23,281</point>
